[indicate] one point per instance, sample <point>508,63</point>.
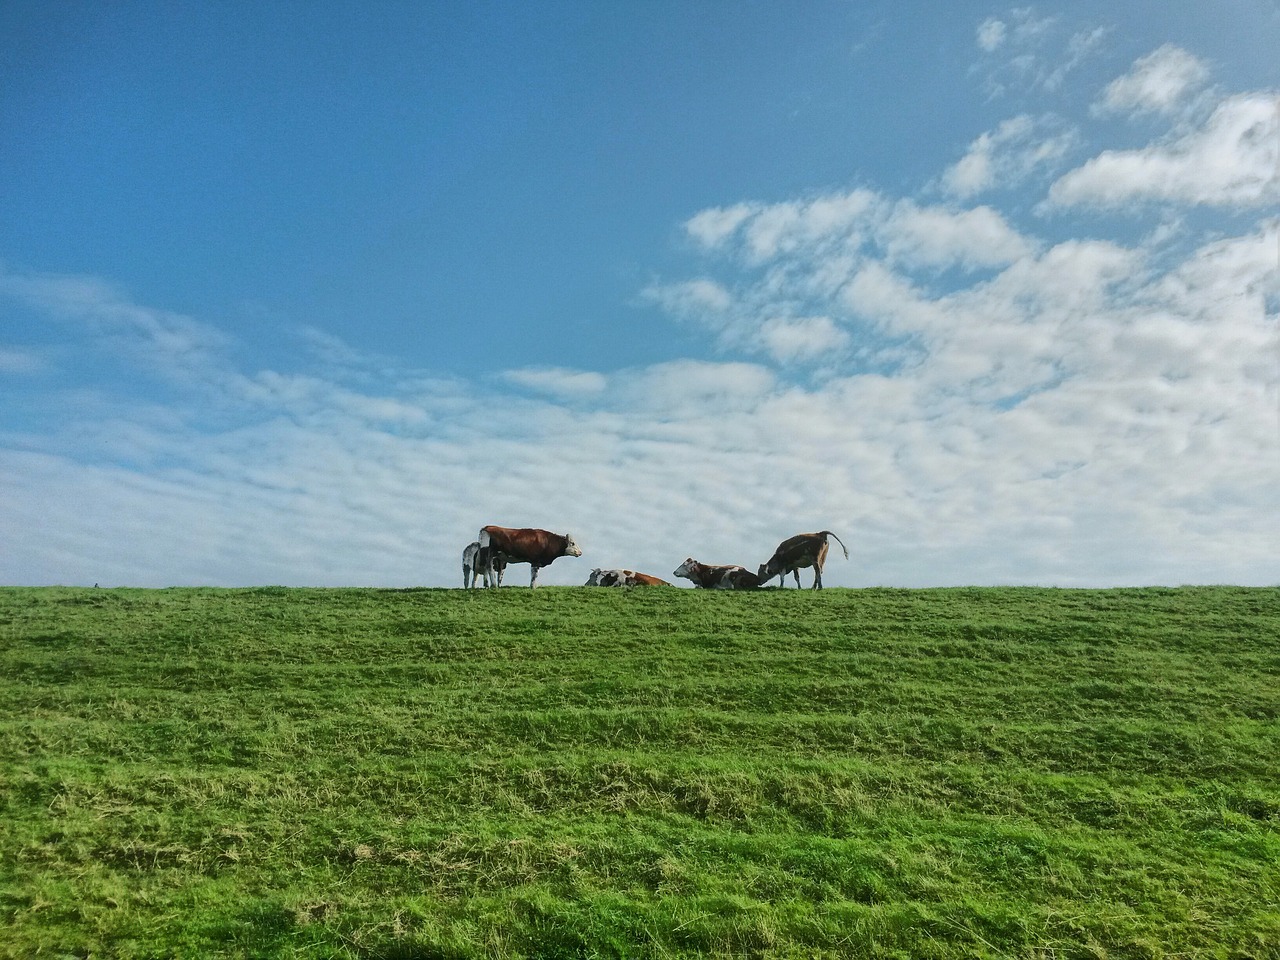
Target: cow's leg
<point>533,577</point>
<point>817,577</point>
<point>467,579</point>
<point>796,571</point>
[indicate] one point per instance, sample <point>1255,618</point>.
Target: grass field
<point>657,773</point>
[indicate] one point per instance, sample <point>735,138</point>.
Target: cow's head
<point>769,570</point>
<point>685,569</point>
<point>594,579</point>
<point>571,549</point>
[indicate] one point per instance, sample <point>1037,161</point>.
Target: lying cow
<point>802,550</point>
<point>723,577</point>
<point>475,563</point>
<point>623,578</point>
<point>538,548</point>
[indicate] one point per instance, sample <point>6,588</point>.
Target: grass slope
<point>657,773</point>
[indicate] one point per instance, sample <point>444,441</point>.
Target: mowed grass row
<point>652,773</point>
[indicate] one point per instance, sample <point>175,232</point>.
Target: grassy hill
<point>657,773</point>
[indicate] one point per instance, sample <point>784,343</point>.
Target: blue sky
<point>307,293</point>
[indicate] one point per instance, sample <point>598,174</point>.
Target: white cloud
<point>712,226</point>
<point>558,381</point>
<point>991,34</point>
<point>1232,160</point>
<point>770,230</point>
<point>888,298</point>
<point>1079,418</point>
<point>1027,28</point>
<point>938,237</point>
<point>1159,82</point>
<point>808,252</point>
<point>1005,157</point>
<point>803,339</point>
<point>698,387</point>
<point>702,299</point>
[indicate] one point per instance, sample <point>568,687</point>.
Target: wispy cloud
<point>557,381</point>
<point>1005,157</point>
<point>168,343</point>
<point>991,34</point>
<point>1023,50</point>
<point>1160,82</point>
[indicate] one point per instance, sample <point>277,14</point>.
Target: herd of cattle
<point>496,547</point>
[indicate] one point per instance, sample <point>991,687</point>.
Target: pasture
<point>650,773</point>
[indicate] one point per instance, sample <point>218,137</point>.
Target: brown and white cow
<point>475,563</point>
<point>723,577</point>
<point>623,578</point>
<point>802,550</point>
<point>538,548</point>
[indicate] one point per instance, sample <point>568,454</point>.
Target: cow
<point>538,548</point>
<point>723,577</point>
<point>475,563</point>
<point>802,550</point>
<point>623,578</point>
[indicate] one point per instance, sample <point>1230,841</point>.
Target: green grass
<point>656,773</point>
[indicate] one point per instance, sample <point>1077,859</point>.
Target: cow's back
<point>648,580</point>
<point>521,544</point>
<point>802,550</point>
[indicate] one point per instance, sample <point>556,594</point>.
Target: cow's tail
<point>839,541</point>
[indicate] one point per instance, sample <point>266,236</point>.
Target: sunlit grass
<point>573,772</point>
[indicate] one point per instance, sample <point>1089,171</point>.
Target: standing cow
<point>623,578</point>
<point>712,577</point>
<point>802,550</point>
<point>538,548</point>
<point>475,563</point>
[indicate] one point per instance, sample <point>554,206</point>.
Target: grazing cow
<point>538,548</point>
<point>723,577</point>
<point>623,578</point>
<point>802,550</point>
<point>475,562</point>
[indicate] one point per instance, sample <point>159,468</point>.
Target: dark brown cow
<point>802,550</point>
<point>722,577</point>
<point>538,548</point>
<point>475,564</point>
<point>623,578</point>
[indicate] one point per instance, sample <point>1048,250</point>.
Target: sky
<point>307,293</point>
